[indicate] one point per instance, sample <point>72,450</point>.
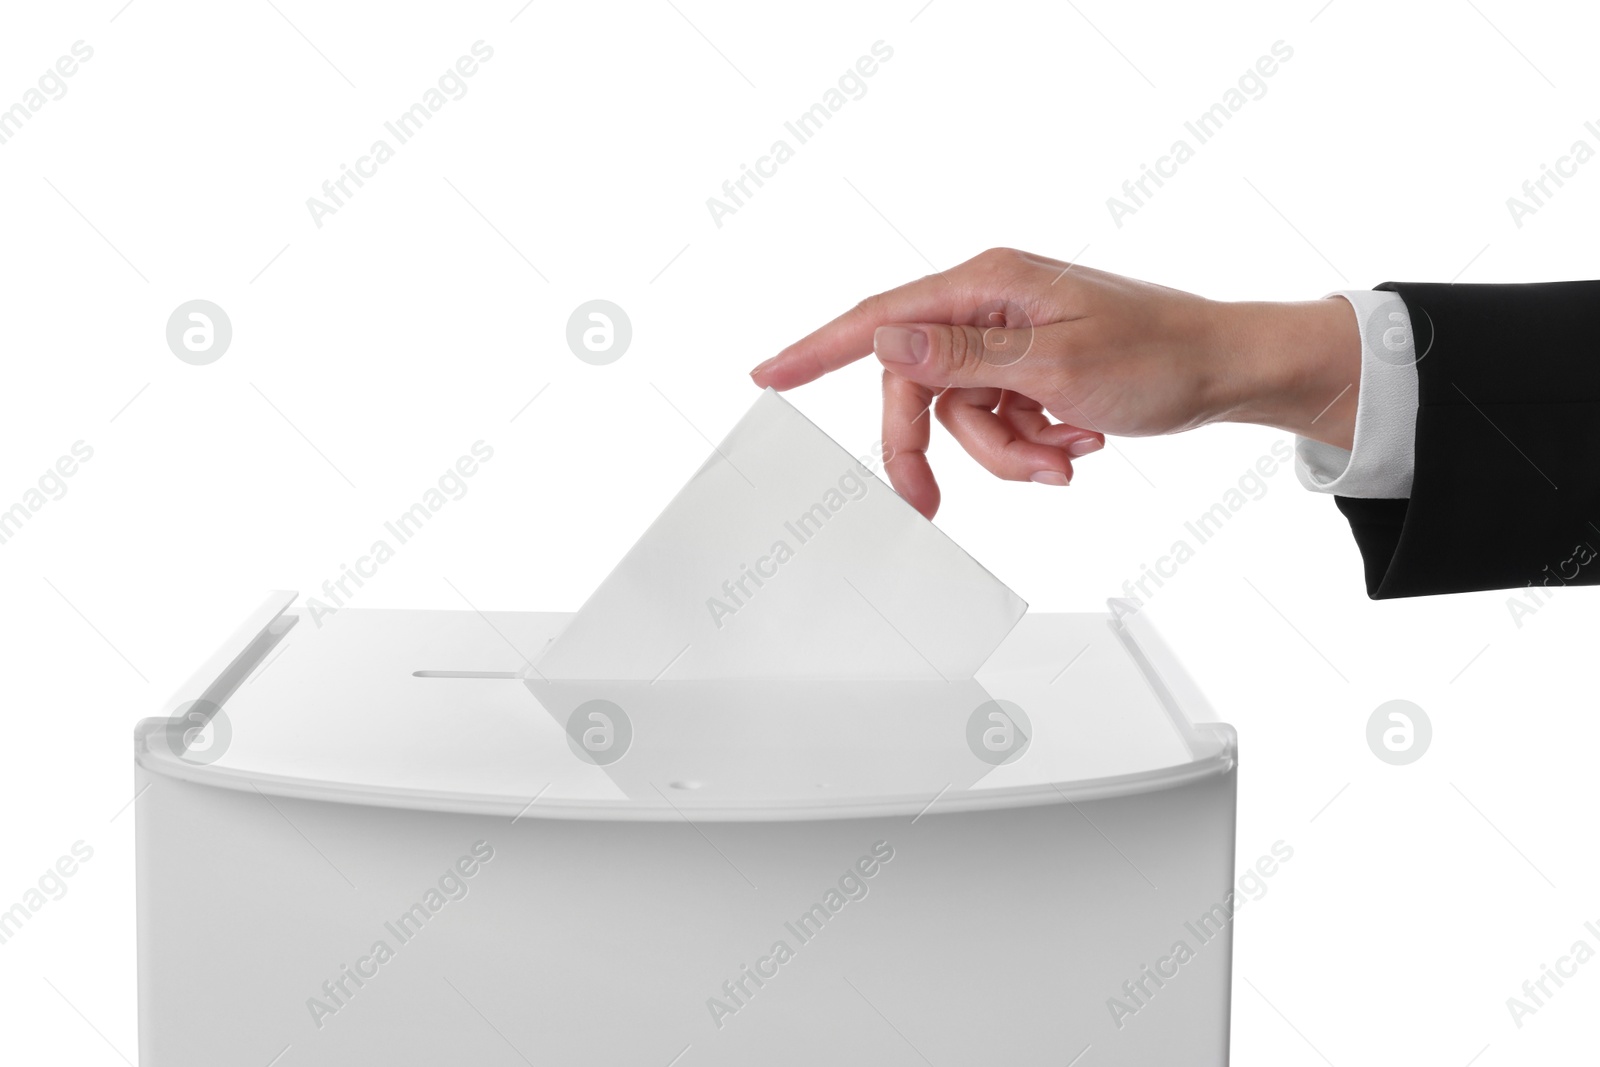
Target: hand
<point>1008,341</point>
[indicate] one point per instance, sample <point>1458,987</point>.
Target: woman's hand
<point>1004,342</point>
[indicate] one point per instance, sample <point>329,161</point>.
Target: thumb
<point>939,355</point>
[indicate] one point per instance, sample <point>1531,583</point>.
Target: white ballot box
<point>382,837</point>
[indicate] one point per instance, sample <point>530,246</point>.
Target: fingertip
<point>781,372</point>
<point>1084,446</point>
<point>912,477</point>
<point>900,346</point>
<point>795,366</point>
<point>758,373</point>
<point>1074,440</point>
<point>1040,464</point>
<point>772,375</point>
<point>1051,466</point>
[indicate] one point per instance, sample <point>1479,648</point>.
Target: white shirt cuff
<point>1380,462</point>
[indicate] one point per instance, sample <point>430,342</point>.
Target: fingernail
<point>1050,478</point>
<point>763,366</point>
<point>899,344</point>
<point>1084,445</point>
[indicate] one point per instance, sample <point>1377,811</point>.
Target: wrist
<point>1293,366</point>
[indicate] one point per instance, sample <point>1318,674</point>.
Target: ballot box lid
<point>444,711</point>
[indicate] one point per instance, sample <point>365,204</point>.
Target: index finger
<point>849,337</point>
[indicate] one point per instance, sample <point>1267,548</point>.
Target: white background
<point>375,350</point>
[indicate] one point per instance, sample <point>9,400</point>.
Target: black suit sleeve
<point>1506,484</point>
